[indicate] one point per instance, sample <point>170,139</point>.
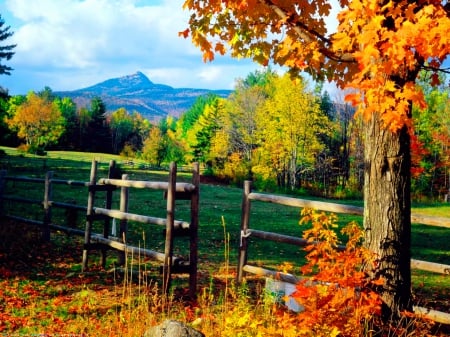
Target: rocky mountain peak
<point>136,92</point>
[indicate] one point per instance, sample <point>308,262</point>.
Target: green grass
<point>433,209</point>
<point>216,203</point>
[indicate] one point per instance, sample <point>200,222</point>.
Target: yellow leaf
<point>335,332</point>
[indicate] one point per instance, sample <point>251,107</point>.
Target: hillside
<point>137,93</point>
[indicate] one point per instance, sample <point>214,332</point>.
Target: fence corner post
<point>245,219</point>
<point>170,217</point>
<point>47,206</point>
<point>89,215</point>
<point>124,194</point>
<point>193,227</point>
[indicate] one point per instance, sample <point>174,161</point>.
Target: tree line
<point>273,129</point>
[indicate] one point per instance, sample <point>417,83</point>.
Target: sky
<point>73,44</point>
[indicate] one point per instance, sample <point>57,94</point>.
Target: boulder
<point>171,328</point>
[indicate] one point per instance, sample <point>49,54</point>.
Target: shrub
<point>338,294</point>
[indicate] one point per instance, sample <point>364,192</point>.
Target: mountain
<point>137,93</point>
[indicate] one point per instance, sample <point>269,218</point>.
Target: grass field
<point>219,205</point>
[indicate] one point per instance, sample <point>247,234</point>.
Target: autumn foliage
<point>38,121</point>
<point>338,296</point>
<point>377,50</point>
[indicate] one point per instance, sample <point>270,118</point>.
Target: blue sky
<point>71,44</point>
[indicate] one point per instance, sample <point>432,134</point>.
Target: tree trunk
<point>387,212</point>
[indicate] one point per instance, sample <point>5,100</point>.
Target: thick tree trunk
<point>387,212</point>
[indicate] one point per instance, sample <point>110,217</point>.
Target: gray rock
<point>171,328</point>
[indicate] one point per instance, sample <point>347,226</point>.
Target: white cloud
<point>65,44</point>
<point>70,44</point>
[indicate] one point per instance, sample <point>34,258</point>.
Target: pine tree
<point>5,51</point>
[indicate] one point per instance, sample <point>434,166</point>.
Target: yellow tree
<point>289,123</point>
<point>378,50</point>
<point>153,149</point>
<point>38,121</point>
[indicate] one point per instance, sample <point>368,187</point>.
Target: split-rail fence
<point>173,191</point>
<point>247,233</point>
<point>189,191</point>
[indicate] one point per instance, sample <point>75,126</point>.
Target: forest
<point>279,131</point>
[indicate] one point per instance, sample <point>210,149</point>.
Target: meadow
<point>42,282</point>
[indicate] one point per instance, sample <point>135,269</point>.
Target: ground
<point>42,289</point>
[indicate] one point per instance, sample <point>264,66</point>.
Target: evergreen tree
<point>98,133</point>
<point>5,51</point>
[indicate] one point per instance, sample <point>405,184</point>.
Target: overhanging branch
<point>442,70</point>
<point>307,34</point>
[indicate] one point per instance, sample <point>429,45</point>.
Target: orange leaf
<point>184,33</point>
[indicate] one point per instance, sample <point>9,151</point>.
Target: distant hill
<point>137,93</point>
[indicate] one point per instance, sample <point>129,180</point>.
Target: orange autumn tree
<point>377,51</point>
<point>38,121</point>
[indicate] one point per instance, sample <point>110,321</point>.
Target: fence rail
<point>173,190</point>
<point>184,191</point>
<point>246,232</point>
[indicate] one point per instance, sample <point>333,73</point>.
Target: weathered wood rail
<point>102,241</point>
<point>173,191</point>
<point>246,233</point>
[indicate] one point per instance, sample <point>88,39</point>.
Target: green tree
<point>431,150</point>
<point>6,51</point>
<point>333,164</point>
<point>38,121</point>
<point>7,137</point>
<point>96,134</point>
<point>84,118</point>
<point>173,148</point>
<point>258,78</point>
<point>47,94</point>
<point>201,134</point>
<point>188,119</point>
<point>68,108</point>
<point>121,125</point>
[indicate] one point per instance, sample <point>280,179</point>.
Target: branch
<point>442,70</point>
<point>305,33</point>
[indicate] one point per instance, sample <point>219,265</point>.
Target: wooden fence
<point>175,191</point>
<point>246,233</point>
<point>102,241</point>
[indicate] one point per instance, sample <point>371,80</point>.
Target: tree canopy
<point>39,121</point>
<point>378,49</point>
<point>377,52</point>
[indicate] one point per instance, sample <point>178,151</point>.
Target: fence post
<point>243,241</point>
<point>89,214</point>
<point>124,222</point>
<point>168,248</point>
<point>2,189</point>
<point>108,204</point>
<point>193,227</point>
<point>47,207</point>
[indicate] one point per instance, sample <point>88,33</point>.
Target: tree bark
<point>387,212</point>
